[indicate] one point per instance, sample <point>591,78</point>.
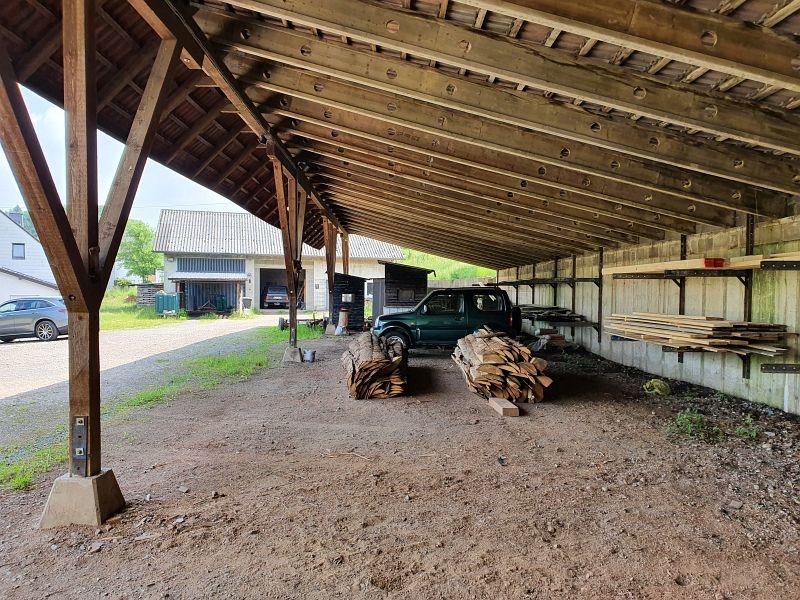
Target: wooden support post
<point>291,213</point>
<point>80,106</point>
<point>329,230</point>
<point>345,253</point>
<point>81,252</point>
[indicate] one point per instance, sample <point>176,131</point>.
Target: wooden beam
<point>463,208</point>
<point>512,198</point>
<point>126,75</point>
<point>30,169</point>
<point>529,216</point>
<point>198,126</point>
<point>345,253</point>
<point>695,37</point>
<point>329,230</point>
<point>169,20</point>
<point>541,67</point>
<point>80,108</point>
<point>441,241</point>
<point>331,65</point>
<point>538,179</point>
<point>137,148</point>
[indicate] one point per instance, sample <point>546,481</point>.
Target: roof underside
<point>496,132</point>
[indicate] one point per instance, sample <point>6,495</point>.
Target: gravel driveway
<point>33,374</point>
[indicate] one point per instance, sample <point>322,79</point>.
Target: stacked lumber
<point>672,265</point>
<point>550,338</point>
<point>549,313</point>
<point>375,369</point>
<point>752,261</point>
<point>496,366</point>
<point>712,334</point>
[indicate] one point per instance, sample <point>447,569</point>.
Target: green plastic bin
<point>167,303</point>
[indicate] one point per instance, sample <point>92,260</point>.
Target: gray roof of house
<point>242,234</point>
<point>49,284</point>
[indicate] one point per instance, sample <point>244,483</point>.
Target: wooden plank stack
<point>496,366</point>
<point>712,334</point>
<point>375,369</point>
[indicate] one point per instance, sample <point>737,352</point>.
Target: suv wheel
<point>395,336</point>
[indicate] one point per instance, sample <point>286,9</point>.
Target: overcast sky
<point>159,188</point>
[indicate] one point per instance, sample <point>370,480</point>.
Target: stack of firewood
<point>375,369</point>
<point>496,366</point>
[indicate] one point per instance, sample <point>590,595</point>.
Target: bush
<point>696,425</point>
<point>122,282</point>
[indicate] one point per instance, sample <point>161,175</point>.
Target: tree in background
<point>27,223</point>
<point>136,251</point>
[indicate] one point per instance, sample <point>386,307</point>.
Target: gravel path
<point>33,375</point>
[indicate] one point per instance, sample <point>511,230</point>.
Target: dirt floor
<point>284,488</point>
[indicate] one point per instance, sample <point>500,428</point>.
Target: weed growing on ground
<point>696,425</point>
<point>19,475</point>
<point>748,429</point>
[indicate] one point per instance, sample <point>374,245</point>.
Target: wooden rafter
<point>703,39</point>
<point>337,67</point>
<point>542,68</point>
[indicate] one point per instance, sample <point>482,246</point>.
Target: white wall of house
<point>18,287</point>
<point>35,262</point>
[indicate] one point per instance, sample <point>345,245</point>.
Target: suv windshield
<point>277,290</point>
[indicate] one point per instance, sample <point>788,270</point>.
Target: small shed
<point>402,288</point>
<point>348,292</point>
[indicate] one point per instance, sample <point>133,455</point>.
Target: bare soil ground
<point>296,491</point>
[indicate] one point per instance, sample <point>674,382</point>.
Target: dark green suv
<point>444,316</point>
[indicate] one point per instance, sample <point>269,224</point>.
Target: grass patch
<point>748,429</point>
<point>202,373</point>
<point>19,475</point>
<point>119,312</point>
<point>696,425</point>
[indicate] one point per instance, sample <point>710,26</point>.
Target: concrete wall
<point>775,300</point>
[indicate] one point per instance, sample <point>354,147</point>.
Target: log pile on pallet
<point>712,334</point>
<point>496,366</point>
<point>375,369</point>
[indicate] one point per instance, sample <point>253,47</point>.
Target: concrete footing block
<point>292,355</point>
<point>82,500</point>
<point>330,329</point>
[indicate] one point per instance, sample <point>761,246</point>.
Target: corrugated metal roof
<point>183,276</point>
<point>242,234</point>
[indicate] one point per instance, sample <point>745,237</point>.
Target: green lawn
<point>119,311</point>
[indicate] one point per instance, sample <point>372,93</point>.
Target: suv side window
<point>488,302</point>
<point>445,304</point>
<point>8,307</point>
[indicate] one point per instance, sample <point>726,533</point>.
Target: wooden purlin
<point>541,68</point>
<point>491,102</point>
<point>706,40</point>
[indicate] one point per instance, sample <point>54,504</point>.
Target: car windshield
<point>277,290</point>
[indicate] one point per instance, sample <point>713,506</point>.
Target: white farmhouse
<point>24,270</point>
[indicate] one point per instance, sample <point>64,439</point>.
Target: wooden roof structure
<point>497,132</point>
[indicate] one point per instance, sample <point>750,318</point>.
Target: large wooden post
<point>329,229</point>
<point>80,248</point>
<point>291,213</point>
<point>345,253</point>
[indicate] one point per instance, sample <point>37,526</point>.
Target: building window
<point>18,251</point>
